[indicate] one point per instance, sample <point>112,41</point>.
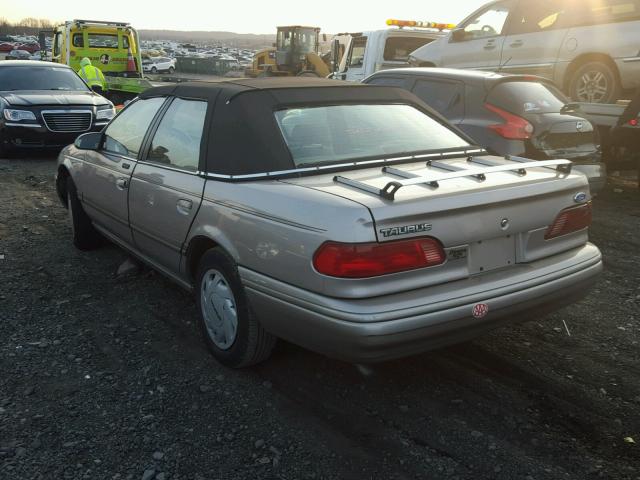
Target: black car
<point>516,115</point>
<point>46,105</point>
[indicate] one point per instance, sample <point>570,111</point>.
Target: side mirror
<point>458,34</point>
<point>89,141</point>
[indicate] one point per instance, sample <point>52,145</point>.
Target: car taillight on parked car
<point>633,122</point>
<point>570,220</point>
<point>361,260</point>
<point>513,128</point>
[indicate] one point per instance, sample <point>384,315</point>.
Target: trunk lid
<point>559,135</point>
<point>496,222</point>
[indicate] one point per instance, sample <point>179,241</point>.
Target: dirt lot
<point>105,377</point>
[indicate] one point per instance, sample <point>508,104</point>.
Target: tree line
<point>26,26</point>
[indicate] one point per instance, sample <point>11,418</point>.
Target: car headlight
<point>106,113</point>
<point>17,115</point>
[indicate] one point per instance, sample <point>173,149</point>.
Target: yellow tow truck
<point>113,47</point>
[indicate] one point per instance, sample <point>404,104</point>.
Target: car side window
<point>177,141</point>
<point>488,23</point>
<point>356,56</point>
<point>388,81</point>
<point>444,97</point>
<point>541,16</point>
<point>125,133</point>
<point>78,41</point>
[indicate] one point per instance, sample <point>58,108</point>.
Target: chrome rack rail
<point>388,192</point>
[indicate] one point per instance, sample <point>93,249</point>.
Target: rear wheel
<point>85,237</point>
<point>229,327</point>
<point>171,70</point>
<point>594,82</point>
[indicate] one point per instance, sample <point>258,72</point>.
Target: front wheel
<point>154,70</point>
<point>229,327</point>
<point>594,82</point>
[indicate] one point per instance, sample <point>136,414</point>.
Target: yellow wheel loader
<point>295,53</point>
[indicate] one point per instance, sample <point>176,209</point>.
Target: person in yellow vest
<point>92,76</point>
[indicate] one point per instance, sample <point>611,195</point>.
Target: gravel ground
<point>105,377</point>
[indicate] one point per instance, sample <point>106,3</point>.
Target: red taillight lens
<point>513,128</point>
<point>361,260</point>
<point>633,122</point>
<point>570,220</point>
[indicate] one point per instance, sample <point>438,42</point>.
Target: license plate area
<point>491,254</point>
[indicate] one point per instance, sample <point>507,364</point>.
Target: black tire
<point>252,344</point>
<point>85,237</point>
<point>154,70</point>
<point>171,70</point>
<point>594,82</point>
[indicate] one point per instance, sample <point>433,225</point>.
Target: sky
<point>242,16</point>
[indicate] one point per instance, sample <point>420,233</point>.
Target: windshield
<point>39,78</point>
<point>526,97</point>
<point>329,134</point>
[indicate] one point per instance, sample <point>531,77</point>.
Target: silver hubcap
<point>593,87</point>
<point>219,309</point>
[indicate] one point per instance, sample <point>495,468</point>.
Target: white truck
<point>368,52</point>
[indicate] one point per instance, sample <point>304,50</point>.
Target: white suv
<point>589,48</point>
<point>159,64</point>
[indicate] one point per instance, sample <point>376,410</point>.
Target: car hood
<point>28,98</point>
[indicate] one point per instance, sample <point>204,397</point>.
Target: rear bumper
<point>394,326</point>
<point>36,136</point>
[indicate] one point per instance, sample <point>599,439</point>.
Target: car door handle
<point>184,206</point>
<point>490,45</point>
<point>517,43</point>
<point>121,183</point>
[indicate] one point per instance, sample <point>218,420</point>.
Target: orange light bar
<point>414,23</point>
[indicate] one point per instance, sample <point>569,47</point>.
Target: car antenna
<point>502,66</point>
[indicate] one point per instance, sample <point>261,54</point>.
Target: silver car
<point>346,218</point>
<point>589,48</point>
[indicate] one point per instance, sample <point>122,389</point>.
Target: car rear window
<point>40,78</point>
<point>399,48</point>
<point>526,97</point>
<point>330,134</point>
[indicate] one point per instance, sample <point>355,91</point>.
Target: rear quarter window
<point>526,98</point>
<point>388,81</point>
<point>444,97</point>
<point>594,12</point>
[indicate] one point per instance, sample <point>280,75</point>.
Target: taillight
<point>513,128</point>
<point>570,220</point>
<point>633,122</point>
<point>361,260</point>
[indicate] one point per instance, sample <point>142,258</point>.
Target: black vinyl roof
<point>244,137</point>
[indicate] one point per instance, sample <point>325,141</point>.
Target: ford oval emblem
<point>579,197</point>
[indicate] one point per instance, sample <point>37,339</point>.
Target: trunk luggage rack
<point>518,167</point>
